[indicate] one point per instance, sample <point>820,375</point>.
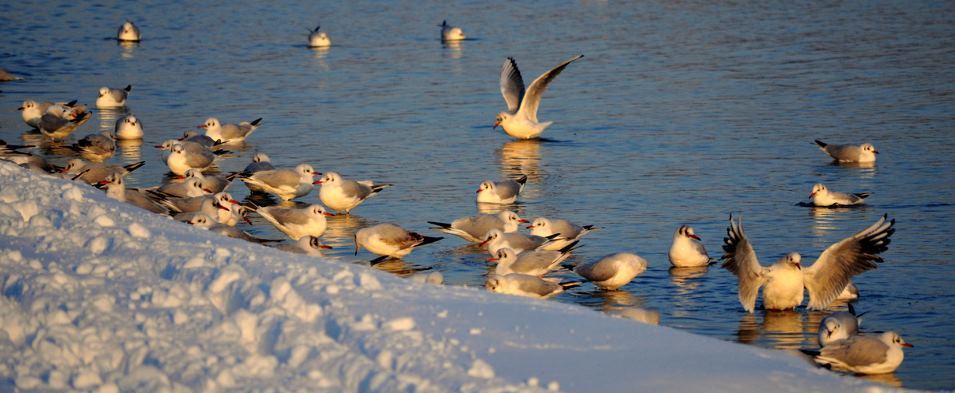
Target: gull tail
<point>378,187</point>
<point>256,121</point>
<point>128,88</point>
<point>429,240</point>
<point>134,166</point>
<point>521,180</point>
<point>821,144</point>
<point>863,195</point>
<point>440,225</point>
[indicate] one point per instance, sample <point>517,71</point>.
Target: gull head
<point>819,187</point>
<point>103,91</point>
<point>793,259</point>
<point>831,325</point>
<point>511,217</point>
<point>486,185</point>
<point>28,104</point>
<point>492,235</point>
<point>687,231</point>
<point>261,157</point>
<point>493,283</point>
<point>540,225</point>
<point>502,118</point>
<point>306,170</point>
<point>893,339</point>
<point>201,221</point>
<point>210,124</point>
<point>225,199</point>
<point>503,256</point>
<point>329,178</point>
<point>319,211</point>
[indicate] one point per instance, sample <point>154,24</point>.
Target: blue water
<point>679,113</point>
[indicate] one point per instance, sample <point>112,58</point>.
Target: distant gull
<point>503,192</point>
<point>128,32</point>
<point>821,196</point>
<point>451,33</point>
<point>849,153</point>
<point>318,39</point>
<point>520,119</point>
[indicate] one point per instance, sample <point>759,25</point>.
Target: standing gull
<point>783,283</point>
<point>285,183</point>
<point>229,133</point>
<point>520,119</point>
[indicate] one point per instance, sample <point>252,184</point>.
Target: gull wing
<point>512,85</point>
<point>532,99</point>
<point>826,278</point>
<point>740,259</point>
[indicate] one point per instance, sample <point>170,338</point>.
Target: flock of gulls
<point>522,260</point>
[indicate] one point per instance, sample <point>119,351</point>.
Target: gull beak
<point>496,123</point>
<point>327,214</point>
<point>324,247</point>
<point>530,227</point>
<point>158,146</point>
<point>798,266</point>
<point>907,345</point>
<point>203,126</point>
<point>223,208</point>
<point>524,221</point>
<point>20,108</point>
<point>695,237</point>
<point>478,190</point>
<point>317,182</point>
<point>207,190</point>
<point>875,151</point>
<point>492,259</point>
<point>233,201</point>
<point>247,220</point>
<point>482,243</point>
<point>812,194</point>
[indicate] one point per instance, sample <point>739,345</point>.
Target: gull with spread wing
<point>784,282</point>
<point>520,118</point>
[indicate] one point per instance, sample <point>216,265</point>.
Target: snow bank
<point>101,296</point>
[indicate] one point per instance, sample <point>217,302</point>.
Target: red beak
<point>247,220</point>
<point>207,190</point>
<point>102,182</point>
<point>907,345</point>
<point>478,190</point>
<point>530,227</point>
<point>325,247</point>
<point>524,221</point>
<point>811,194</point>
<point>496,123</point>
<point>223,208</point>
<point>233,201</point>
<point>492,259</point>
<point>203,126</point>
<point>327,214</point>
<point>317,182</point>
<point>695,237</point>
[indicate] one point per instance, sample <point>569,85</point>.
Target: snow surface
<point>101,296</point>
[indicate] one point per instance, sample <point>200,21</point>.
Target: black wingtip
<point>440,224</point>
<point>256,121</point>
<point>128,88</point>
<point>134,166</point>
<point>821,143</point>
<point>569,247</point>
<point>521,180</point>
<point>863,195</point>
<point>378,260</point>
<point>71,103</point>
<point>429,240</point>
<point>810,352</point>
<point>852,310</point>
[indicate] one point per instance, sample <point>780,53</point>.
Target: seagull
<point>526,285</point>
<point>192,203</point>
<point>96,147</point>
<point>502,192</point>
<point>687,250</point>
<point>32,162</point>
<point>534,263</point>
<point>296,222</point>
<point>342,194</point>
<point>451,33</point>
<point>839,325</point>
<point>318,39</point>
<point>308,245</point>
<point>116,189</point>
<point>390,240</point>
<point>229,133</point>
<point>864,354</point>
<point>31,111</point>
<point>821,196</point>
<point>567,232</point>
<point>60,121</point>
<point>206,222</point>
<point>6,76</point>
<point>516,241</point>
<point>612,271</point>
<point>195,136</point>
<point>285,183</point>
<point>211,182</point>
<point>260,162</point>
<point>783,282</point>
<point>475,228</point>
<point>128,127</point>
<point>221,208</point>
<point>111,98</point>
<point>520,119</point>
<point>849,153</point>
<point>851,292</point>
<point>94,173</point>
<point>183,157</point>
<point>191,187</point>
<point>128,32</point>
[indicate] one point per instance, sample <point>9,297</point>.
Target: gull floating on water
<point>535,263</point>
<point>229,133</point>
<point>318,39</point>
<point>260,162</point>
<point>783,283</point>
<point>206,222</point>
<point>864,354</point>
<point>839,325</point>
<point>612,271</point>
<point>520,119</point>
<point>187,155</point>
<point>128,128</point>
<point>97,147</point>
<point>128,32</point>
<point>516,241</point>
<point>31,111</point>
<point>94,173</point>
<point>451,33</point>
<point>821,196</point>
<point>285,183</point>
<point>342,194</point>
<point>687,250</point>
<point>111,98</point>
<point>503,192</point>
<point>566,231</point>
<point>475,228</point>
<point>849,153</point>
<point>116,189</point>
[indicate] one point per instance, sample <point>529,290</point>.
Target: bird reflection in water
<point>129,150</point>
<point>127,49</point>
<point>522,157</point>
<point>780,329</point>
<point>340,231</point>
<point>399,267</point>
